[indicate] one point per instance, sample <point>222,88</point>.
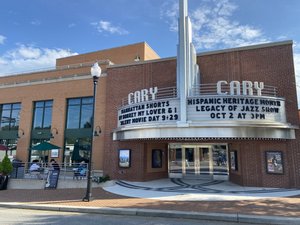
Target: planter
<point>3,182</point>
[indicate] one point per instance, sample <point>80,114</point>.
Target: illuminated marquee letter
<point>137,97</point>
<point>247,88</point>
<point>219,87</point>
<point>144,95</point>
<point>235,88</point>
<point>130,96</point>
<point>259,86</point>
<point>153,92</point>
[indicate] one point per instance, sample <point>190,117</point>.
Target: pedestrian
<point>54,164</point>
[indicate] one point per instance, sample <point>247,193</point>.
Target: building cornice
<point>74,77</point>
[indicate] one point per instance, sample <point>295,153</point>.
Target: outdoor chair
<point>35,174</point>
<point>79,173</point>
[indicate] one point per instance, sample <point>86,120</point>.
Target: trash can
<point>18,169</point>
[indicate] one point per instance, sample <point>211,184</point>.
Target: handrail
<point>67,170</point>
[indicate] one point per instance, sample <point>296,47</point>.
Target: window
<point>80,112</point>
<point>10,116</point>
<point>42,114</point>
<point>77,150</point>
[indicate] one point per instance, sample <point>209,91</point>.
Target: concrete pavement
<point>264,210</point>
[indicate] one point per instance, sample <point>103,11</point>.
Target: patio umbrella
<point>3,148</point>
<point>75,154</point>
<point>44,146</point>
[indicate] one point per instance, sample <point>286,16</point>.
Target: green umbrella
<point>44,146</point>
<point>75,154</point>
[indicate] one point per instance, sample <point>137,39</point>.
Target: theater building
<point>242,120</point>
<point>224,115</point>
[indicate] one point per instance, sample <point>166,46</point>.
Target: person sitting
<point>35,169</point>
<point>80,172</point>
<point>34,166</point>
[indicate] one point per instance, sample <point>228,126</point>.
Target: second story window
<point>80,113</point>
<point>42,114</point>
<point>10,116</point>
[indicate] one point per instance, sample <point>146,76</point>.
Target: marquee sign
<point>159,111</point>
<point>233,101</point>
<point>238,108</point>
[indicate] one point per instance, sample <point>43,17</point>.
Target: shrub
<point>6,166</point>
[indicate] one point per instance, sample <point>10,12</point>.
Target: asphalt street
<point>36,217</point>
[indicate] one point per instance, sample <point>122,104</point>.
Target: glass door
<point>196,161</point>
<point>175,161</point>
<point>205,162</point>
<point>220,162</point>
<point>189,162</point>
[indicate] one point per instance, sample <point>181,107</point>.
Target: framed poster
<point>124,158</point>
<point>233,160</point>
<point>274,162</point>
<point>156,158</point>
<point>54,153</point>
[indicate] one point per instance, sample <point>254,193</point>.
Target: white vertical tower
<point>187,68</point>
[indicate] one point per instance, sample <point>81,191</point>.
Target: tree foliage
<point>6,166</point>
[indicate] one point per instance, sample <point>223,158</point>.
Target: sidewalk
<point>278,210</point>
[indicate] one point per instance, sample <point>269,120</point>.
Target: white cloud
<point>107,27</point>
<point>71,25</point>
<point>26,52</point>
<point>2,39</point>
<point>36,22</point>
<point>26,58</point>
<point>169,13</point>
<point>213,27</point>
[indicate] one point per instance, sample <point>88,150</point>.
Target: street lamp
<point>95,72</point>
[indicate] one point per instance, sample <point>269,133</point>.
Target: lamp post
<point>95,72</point>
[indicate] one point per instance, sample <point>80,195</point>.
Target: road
<point>34,217</point>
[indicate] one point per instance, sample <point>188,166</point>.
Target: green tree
<point>6,166</point>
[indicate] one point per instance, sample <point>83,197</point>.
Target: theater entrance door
<point>198,161</point>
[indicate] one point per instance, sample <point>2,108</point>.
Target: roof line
<point>250,47</point>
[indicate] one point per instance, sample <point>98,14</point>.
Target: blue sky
<point>34,33</point>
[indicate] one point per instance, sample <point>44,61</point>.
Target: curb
<point>238,218</point>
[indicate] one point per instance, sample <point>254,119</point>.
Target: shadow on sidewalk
<point>73,197</point>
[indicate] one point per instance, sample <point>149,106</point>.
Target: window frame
<point>10,108</point>
<point>43,107</point>
<point>81,102</point>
